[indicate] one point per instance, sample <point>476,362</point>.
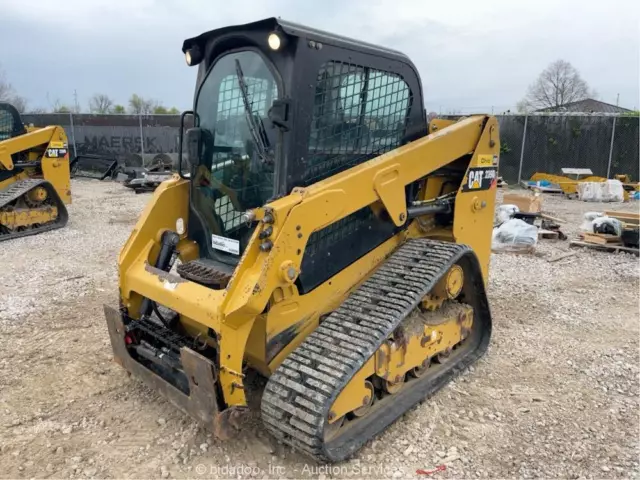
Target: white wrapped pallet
<point>514,235</point>
<point>504,213</point>
<point>607,191</point>
<point>587,223</point>
<point>613,191</point>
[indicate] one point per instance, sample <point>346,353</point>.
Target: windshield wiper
<point>257,130</point>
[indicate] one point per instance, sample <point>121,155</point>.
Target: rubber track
<point>20,188</point>
<point>299,394</point>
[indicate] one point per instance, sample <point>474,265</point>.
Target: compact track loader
<point>324,235</point>
<point>35,182</point>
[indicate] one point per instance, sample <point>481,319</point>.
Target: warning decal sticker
<point>487,160</point>
<point>225,244</point>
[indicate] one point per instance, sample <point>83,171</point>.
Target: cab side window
<point>7,126</point>
<point>359,113</point>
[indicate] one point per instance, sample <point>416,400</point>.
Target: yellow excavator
<point>35,181</point>
<point>319,232</point>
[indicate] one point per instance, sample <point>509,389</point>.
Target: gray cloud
<point>471,55</point>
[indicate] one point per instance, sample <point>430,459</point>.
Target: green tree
<point>119,109</point>
<point>160,110</point>
<point>174,111</point>
<point>141,106</point>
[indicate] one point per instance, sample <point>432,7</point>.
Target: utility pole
<point>618,100</point>
<point>76,107</point>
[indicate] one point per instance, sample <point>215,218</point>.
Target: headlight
<point>274,41</point>
<point>193,56</point>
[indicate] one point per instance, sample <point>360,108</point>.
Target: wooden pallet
<point>540,189</point>
<point>562,256</point>
<point>605,247</point>
<point>630,218</point>
<point>516,250</point>
<point>602,238</point>
<point>550,234</point>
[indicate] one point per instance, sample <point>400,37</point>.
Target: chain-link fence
<point>134,140</point>
<point>607,144</point>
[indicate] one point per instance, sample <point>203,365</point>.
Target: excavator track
<point>299,395</point>
<point>13,193</point>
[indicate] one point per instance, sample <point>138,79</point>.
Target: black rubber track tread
<point>20,188</point>
<point>299,394</point>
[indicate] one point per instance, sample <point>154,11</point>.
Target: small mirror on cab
<point>194,145</point>
<point>279,113</point>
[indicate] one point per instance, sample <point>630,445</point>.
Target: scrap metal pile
<point>139,179</point>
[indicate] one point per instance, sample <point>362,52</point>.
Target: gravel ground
<point>556,395</point>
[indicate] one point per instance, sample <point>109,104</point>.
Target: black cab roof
<point>302,31</point>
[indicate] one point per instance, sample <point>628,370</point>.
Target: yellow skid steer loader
<point>35,182</point>
<point>323,235</point>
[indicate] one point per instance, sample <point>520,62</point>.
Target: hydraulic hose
<point>169,241</point>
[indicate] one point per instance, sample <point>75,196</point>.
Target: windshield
<point>235,172</point>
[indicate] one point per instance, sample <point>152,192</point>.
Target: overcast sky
<point>471,55</point>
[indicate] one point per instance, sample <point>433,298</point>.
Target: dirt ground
<point>556,395</point>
